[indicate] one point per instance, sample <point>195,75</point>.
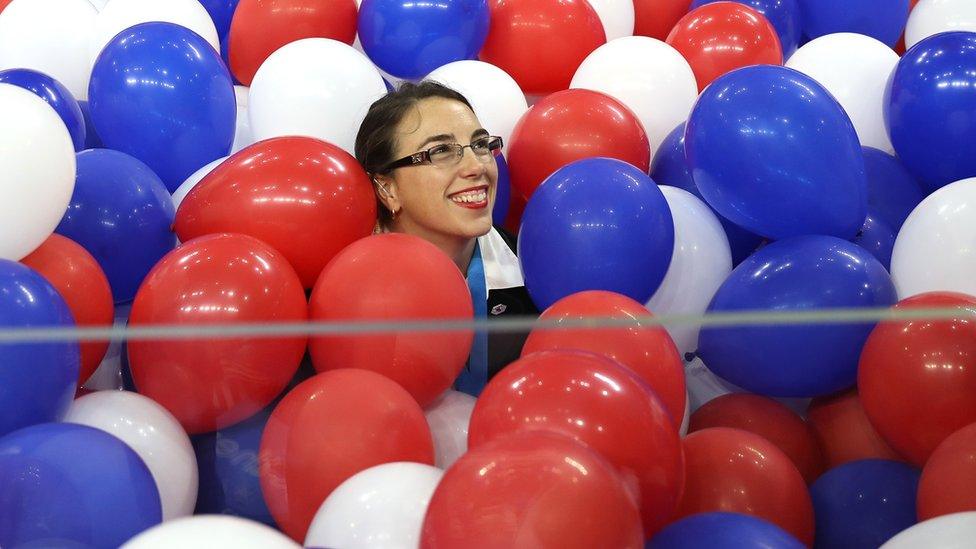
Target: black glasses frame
<point>423,157</point>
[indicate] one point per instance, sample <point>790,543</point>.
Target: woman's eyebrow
<point>438,137</point>
<point>479,133</point>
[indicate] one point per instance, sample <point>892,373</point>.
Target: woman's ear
<point>387,192</point>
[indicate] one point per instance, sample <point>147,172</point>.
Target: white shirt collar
<point>502,269</point>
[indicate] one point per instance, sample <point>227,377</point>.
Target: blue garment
<point>474,377</point>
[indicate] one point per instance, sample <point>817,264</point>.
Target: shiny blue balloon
<point>56,95</point>
<point>863,504</point>
<point>669,167</point>
<point>67,485</point>
<point>771,150</point>
<point>892,192</point>
<point>930,109</point>
<point>160,93</point>
<point>92,141</point>
<point>122,214</point>
<point>877,237</point>
<point>725,530</point>
<point>595,224</point>
<point>783,14</point>
<point>222,12</point>
<point>798,274</point>
<point>883,20</point>
<point>503,192</point>
<point>410,39</point>
<point>37,380</point>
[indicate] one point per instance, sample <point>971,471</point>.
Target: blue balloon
<point>883,20</point>
<point>783,14</point>
<point>669,167</point>
<point>892,192</point>
<point>930,109</point>
<point>122,214</point>
<point>92,141</point>
<point>37,380</point>
<point>503,192</point>
<point>595,224</point>
<point>797,274</point>
<point>63,484</point>
<point>410,39</point>
<point>725,530</point>
<point>877,237</point>
<point>56,95</point>
<point>863,504</point>
<point>771,150</point>
<point>160,93</point>
<point>222,12</point>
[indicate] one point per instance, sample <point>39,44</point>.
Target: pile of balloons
<point>190,163</point>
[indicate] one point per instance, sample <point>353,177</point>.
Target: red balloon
<point>79,279</point>
<point>541,43</point>
<point>729,470</point>
<point>392,277</point>
<point>306,198</point>
<point>769,419</point>
<point>533,489</point>
<point>598,402</point>
<point>656,18</point>
<point>648,351</point>
<point>260,27</point>
<point>724,36</point>
<point>209,384</point>
<point>917,378</point>
<point>327,429</point>
<point>4,4</point>
<point>949,475</point>
<point>844,432</point>
<point>568,126</point>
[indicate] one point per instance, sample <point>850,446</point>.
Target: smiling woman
<point>434,172</point>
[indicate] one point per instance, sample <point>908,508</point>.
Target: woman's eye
<point>441,150</point>
<point>480,145</point>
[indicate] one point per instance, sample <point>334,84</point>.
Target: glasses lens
<point>443,155</point>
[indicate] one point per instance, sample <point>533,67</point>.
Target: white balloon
<point>211,532</point>
<point>704,386</point>
<point>955,531</point>
<point>108,375</point>
<point>448,418</point>
<point>242,136</point>
<point>648,76</point>
<point>50,36</point>
<point>617,17</point>
<point>685,419</point>
<point>119,15</point>
<point>154,434</point>
<point>855,69</point>
<point>184,189</point>
<point>315,87</point>
<point>497,100</point>
<point>700,263</point>
<point>99,4</point>
<point>37,171</point>
<point>930,17</point>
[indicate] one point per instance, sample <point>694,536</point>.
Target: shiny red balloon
<point>327,429</point>
<point>79,279</point>
<point>729,470</point>
<point>568,126</point>
<point>393,277</point>
<point>769,419</point>
<point>656,18</point>
<point>260,27</point>
<point>917,378</point>
<point>648,351</point>
<point>541,43</point>
<point>212,383</point>
<point>723,36</point>
<point>949,475</point>
<point>4,4</point>
<point>598,402</point>
<point>844,432</point>
<point>533,489</point>
<point>307,198</point>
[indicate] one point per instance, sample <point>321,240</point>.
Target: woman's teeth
<point>472,196</point>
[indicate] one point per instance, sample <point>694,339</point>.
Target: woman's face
<point>441,202</point>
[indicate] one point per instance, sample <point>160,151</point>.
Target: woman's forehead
<point>436,116</point>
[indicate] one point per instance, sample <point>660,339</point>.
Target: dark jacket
<point>503,348</point>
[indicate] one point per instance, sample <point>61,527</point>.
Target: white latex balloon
<point>700,263</point>
<point>242,136</point>
<point>108,375</point>
<point>704,386</point>
<point>448,418</point>
<point>211,532</point>
<point>50,36</point>
<point>383,506</point>
<point>184,189</point>
<point>617,17</point>
<point>648,76</point>
<point>930,17</point>
<point>99,4</point>
<point>315,87</point>
<point>118,15</point>
<point>855,69</point>
<point>154,434</point>
<point>497,100</point>
<point>955,531</point>
<point>37,171</point>
<point>686,419</point>
<point>936,247</point>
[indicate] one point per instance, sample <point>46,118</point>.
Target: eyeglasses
<point>448,154</point>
